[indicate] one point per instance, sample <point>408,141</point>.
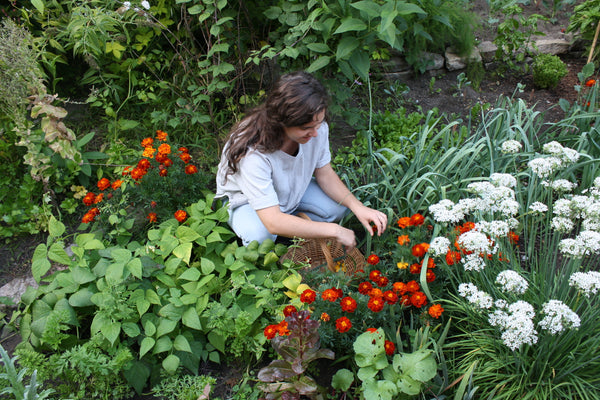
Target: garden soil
<point>15,255</point>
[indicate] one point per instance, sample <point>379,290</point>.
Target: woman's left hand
<point>371,218</point>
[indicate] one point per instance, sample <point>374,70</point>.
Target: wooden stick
<point>594,43</point>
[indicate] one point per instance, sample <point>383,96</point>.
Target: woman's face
<point>302,134</point>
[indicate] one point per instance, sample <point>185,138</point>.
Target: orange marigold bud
<point>590,82</point>
<point>151,217</point>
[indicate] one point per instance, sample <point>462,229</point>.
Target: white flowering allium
<point>567,155</point>
<point>586,243</point>
<point>593,211</point>
<point>473,262</point>
<point>478,298</point>
<point>501,304</point>
<point>127,5</point>
<point>562,208</point>
<point>513,223</point>
<point>145,4</point>
<point>508,207</point>
<point>439,246</point>
<point>563,185</point>
<point>516,325</point>
<point>511,146</point>
<point>523,307</point>
<point>466,206</point>
<point>579,206</point>
<point>493,228</point>
<point>511,282</point>
<point>477,242</point>
<point>587,282</point>
<point>558,317</point>
<point>538,207</point>
<point>445,211</point>
<point>480,188</point>
<point>545,166</point>
<point>592,224</point>
<point>506,180</point>
<point>563,225</point>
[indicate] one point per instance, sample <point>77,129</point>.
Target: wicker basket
<point>325,253</point>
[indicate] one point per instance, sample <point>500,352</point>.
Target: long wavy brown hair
<point>294,101</point>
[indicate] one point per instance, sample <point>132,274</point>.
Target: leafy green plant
<point>298,345</point>
<point>584,21</point>
<point>14,380</point>
<point>548,70</point>
<point>185,387</point>
<point>158,298</point>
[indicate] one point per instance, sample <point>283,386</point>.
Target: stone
<point>552,46</point>
<point>15,288</point>
<point>487,50</point>
<point>455,62</point>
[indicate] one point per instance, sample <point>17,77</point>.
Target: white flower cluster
<point>127,5</point>
<point>494,228</point>
<point>559,157</point>
<point>511,282</point>
<point>478,298</point>
<point>511,146</point>
<point>493,198</point>
<point>584,244</point>
<point>587,282</point>
<point>558,317</point>
<point>538,207</point>
<point>560,185</point>
<point>446,211</point>
<point>439,246</point>
<point>477,246</point>
<point>516,324</point>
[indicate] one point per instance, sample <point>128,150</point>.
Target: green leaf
<point>360,62</point>
<point>114,274</point>
<point>149,328</point>
<point>342,380</point>
<point>181,343</point>
<point>121,255</point>
<point>127,124</point>
<point>111,331</point>
<point>217,340</point>
<point>372,9</point>
<point>40,264</point>
<point>163,344</point>
<point>346,46</point>
<point>152,297</point>
<point>350,24</point>
<point>318,47</point>
<point>165,326</point>
<point>190,274</point>
<point>55,227</point>
<point>273,12</point>
<point>190,319</point>
<point>171,363</point>
<point>58,254</point>
<point>82,298</point>
<point>319,63</point>
<point>146,345</point>
<point>405,8</point>
<point>39,5</point>
<point>183,251</point>
<point>186,234</point>
<point>82,275</point>
<point>135,267</point>
<point>137,375</point>
<point>131,329</point>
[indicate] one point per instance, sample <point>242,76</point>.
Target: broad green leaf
<point>111,331</point>
<point>88,241</point>
<point>55,227</point>
<point>190,319</point>
<point>127,124</point>
<point>342,380</point>
<point>190,274</point>
<point>346,46</point>
<point>135,267</point>
<point>58,254</point>
<point>370,8</point>
<point>405,8</point>
<point>82,298</point>
<point>131,329</point>
<point>39,5</point>
<point>350,24</point>
<point>183,251</point>
<point>165,326</point>
<point>82,275</point>
<point>207,266</point>
<point>152,297</point>
<point>171,363</point>
<point>114,274</point>
<point>162,344</point>
<point>273,12</point>
<point>137,374</point>
<point>186,234</point>
<point>360,62</point>
<point>149,328</point>
<point>319,63</point>
<point>121,255</point>
<point>40,264</point>
<point>318,47</point>
<point>146,345</point>
<point>217,340</point>
<point>172,264</point>
<point>181,343</point>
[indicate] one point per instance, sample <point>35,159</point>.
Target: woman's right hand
<point>346,237</point>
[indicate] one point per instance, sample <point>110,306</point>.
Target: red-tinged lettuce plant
<point>298,345</point>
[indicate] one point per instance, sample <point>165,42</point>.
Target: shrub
<point>548,70</point>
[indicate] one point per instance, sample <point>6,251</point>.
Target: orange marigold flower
<point>343,324</point>
<point>117,184</point>
<point>452,257</point>
<point>418,299</point>
<point>167,162</point>
<point>372,330</point>
<point>164,148</point>
<point>160,135</point>
<point>419,250</point>
<point>99,198</point>
<point>183,149</point>
<point>88,217</point>
<point>412,286</point>
<point>466,227</point>
<point>373,259</point>
<point>152,217</point>
<point>126,171</point>
<point>417,219</point>
<point>348,304</point>
<point>325,317</point>
<point>404,222</point>
<point>282,328</point>
<point>389,347</point>
<point>148,152</point>
<point>415,268</point>
<point>308,296</point>
<point>399,287</point>
<point>430,276</point>
<point>402,265</point>
<point>590,82</point>
<point>163,172</point>
<point>376,304</point>
<point>180,215</point>
<point>374,275</point>
<point>513,237</point>
<point>144,164</point>
<point>436,310</point>
<point>147,142</point>
<point>191,169</point>
<point>160,157</point>
<point>390,297</point>
<point>270,331</point>
<point>382,281</point>
<point>289,310</point>
<point>330,295</point>
<point>89,198</point>
<point>185,157</point>
<point>375,292</point>
<point>365,288</point>
<point>103,184</point>
<point>403,239</point>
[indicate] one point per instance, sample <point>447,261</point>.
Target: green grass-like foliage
<point>184,387</point>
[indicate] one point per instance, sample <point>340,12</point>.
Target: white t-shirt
<point>269,179</point>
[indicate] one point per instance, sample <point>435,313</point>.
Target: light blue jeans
<point>315,203</point>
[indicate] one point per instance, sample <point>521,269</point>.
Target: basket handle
<point>323,244</point>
